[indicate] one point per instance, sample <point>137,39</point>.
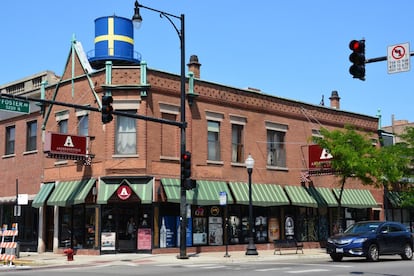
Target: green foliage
<point>354,154</point>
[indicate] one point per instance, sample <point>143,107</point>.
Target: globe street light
<point>137,19</point>
<point>251,247</point>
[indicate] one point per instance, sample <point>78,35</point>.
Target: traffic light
<point>186,165</point>
<point>357,57</point>
<point>107,109</point>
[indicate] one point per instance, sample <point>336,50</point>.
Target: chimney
<point>194,66</point>
<point>334,99</point>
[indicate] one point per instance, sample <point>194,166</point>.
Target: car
<point>370,239</point>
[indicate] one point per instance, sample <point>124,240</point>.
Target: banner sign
<point>66,144</point>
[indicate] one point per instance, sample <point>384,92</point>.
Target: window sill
<point>213,162</point>
<point>125,155</point>
<point>236,164</point>
<point>169,158</point>
<point>275,168</point>
<point>8,156</point>
<point>30,152</point>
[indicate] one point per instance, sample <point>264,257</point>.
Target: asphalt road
<point>388,266</point>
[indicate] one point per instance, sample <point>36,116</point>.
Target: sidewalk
<point>30,260</point>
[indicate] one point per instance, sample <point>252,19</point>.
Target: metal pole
<point>226,233</point>
<point>251,247</point>
<point>183,203</point>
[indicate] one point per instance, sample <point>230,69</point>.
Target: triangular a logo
<point>69,142</point>
<point>325,155</point>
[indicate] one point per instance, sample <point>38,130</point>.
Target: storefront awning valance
<point>300,197</point>
<point>206,192</point>
<point>141,187</point>
<point>67,193</point>
<point>323,196</point>
<point>44,192</point>
<point>262,194</point>
<point>356,198</point>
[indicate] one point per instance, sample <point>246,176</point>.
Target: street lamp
<point>251,248</point>
<point>137,19</point>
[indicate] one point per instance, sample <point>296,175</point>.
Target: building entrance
<point>122,221</point>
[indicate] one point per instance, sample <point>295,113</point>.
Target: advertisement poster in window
<point>108,241</point>
<point>289,227</point>
<point>200,231</point>
<point>215,234</point>
<point>167,231</point>
<point>234,223</point>
<point>274,229</point>
<point>260,227</point>
<point>144,239</point>
<point>189,232</point>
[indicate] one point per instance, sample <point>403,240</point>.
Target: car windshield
<point>362,227</point>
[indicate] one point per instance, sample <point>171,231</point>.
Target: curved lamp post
<point>251,247</point>
<point>137,19</point>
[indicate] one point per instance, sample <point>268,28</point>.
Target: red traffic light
<point>357,46</point>
<point>186,155</point>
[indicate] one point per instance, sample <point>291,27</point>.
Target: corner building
<point>120,190</point>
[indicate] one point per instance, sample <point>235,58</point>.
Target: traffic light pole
<point>83,107</point>
<point>371,60</point>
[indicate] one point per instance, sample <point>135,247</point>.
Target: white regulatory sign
<point>398,58</point>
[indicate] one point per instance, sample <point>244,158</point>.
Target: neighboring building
<point>392,200</point>
<point>115,187</point>
<point>21,159</point>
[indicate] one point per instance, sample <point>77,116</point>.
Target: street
<point>388,266</point>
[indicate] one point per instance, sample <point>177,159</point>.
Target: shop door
<point>121,219</point>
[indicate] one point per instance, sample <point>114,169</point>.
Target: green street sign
<point>15,105</point>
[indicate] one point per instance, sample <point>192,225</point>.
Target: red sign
<point>60,143</point>
<point>319,158</point>
<point>124,192</point>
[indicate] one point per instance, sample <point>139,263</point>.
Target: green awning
<point>300,197</point>
<point>41,197</point>
<point>323,196</point>
<point>141,187</point>
<point>394,198</point>
<point>356,198</point>
<point>206,193</point>
<point>67,192</point>
<point>262,194</point>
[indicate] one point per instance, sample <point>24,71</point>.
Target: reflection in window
<point>10,139</point>
<point>31,136</point>
<point>126,136</point>
<point>237,143</point>
<point>83,125</point>
<point>213,134</point>
<point>276,151</point>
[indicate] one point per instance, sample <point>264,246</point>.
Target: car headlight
<point>359,240</point>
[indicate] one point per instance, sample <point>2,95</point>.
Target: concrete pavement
<point>32,260</point>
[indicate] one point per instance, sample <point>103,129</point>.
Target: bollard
<point>69,254</point>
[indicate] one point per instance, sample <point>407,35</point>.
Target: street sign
<point>14,105</point>
<point>398,58</point>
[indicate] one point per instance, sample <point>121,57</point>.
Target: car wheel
<point>336,257</point>
<point>408,252</point>
<point>373,253</point>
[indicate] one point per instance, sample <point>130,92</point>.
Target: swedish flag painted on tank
<point>114,40</point>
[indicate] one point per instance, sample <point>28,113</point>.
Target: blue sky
<point>296,49</point>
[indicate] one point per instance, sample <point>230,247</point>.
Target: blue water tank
<point>114,41</point>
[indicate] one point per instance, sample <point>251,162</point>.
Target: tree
<point>353,157</point>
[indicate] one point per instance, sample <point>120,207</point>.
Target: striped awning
<point>142,187</point>
<point>44,192</point>
<point>300,197</point>
<point>262,194</point>
<point>67,193</point>
<point>356,198</point>
<point>206,192</point>
<point>323,196</point>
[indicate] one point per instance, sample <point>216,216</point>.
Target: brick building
<point>121,193</point>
